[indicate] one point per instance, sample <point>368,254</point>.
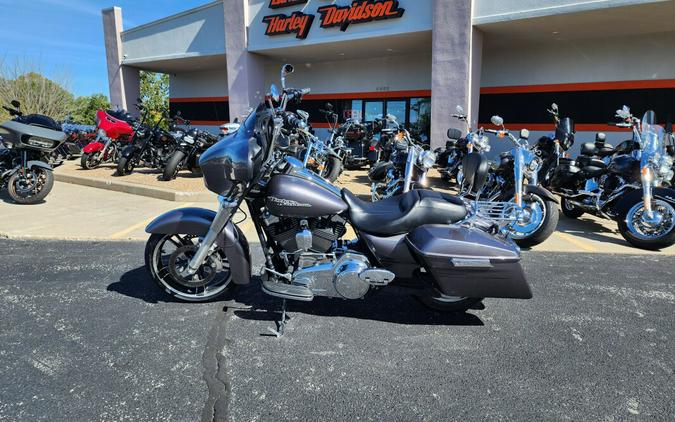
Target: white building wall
<point>638,57</point>
<point>209,83</point>
<point>393,73</point>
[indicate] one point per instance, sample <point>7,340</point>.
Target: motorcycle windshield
<point>652,143</point>
<point>564,132</point>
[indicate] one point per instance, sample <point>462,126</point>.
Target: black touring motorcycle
<point>628,183</point>
<point>190,145</point>
<point>423,242</point>
<point>27,154</point>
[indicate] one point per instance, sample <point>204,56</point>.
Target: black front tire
<point>173,165</point>
<point>654,244</point>
<point>46,186</point>
<point>334,168</point>
<point>90,160</point>
<point>569,210</point>
<point>125,166</point>
<point>547,227</point>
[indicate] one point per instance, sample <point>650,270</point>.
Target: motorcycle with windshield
<point>151,146</point>
<point>407,168</point>
<point>115,129</point>
<point>316,155</point>
<point>26,159</point>
<point>190,145</point>
<point>527,212</point>
<point>627,184</point>
<point>423,243</point>
<point>456,148</point>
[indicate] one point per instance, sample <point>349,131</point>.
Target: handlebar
<point>292,94</point>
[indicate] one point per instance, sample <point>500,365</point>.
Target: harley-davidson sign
<point>276,4</point>
<point>298,23</point>
<point>359,12</point>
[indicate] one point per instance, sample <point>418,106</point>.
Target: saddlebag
<point>566,175</point>
<point>468,262</point>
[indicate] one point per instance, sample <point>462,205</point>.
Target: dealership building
<point>415,59</point>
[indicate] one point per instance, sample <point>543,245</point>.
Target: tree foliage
<point>85,107</point>
<point>155,95</point>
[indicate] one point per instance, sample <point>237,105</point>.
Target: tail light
<point>371,148</point>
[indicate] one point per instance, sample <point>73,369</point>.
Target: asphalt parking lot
<point>86,335</point>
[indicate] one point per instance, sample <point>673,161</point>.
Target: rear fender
<point>93,147</point>
<point>196,222</point>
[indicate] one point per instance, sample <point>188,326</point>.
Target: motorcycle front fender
<point>93,147</point>
<point>30,165</point>
<point>538,190</point>
<point>129,151</point>
<point>628,200</point>
<point>196,222</point>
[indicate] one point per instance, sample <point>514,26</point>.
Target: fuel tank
<point>292,196</point>
<point>626,166</point>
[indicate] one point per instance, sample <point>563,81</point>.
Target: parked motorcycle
<point>626,183</point>
<point>409,162</point>
<point>150,146</point>
<point>512,194</point>
<point>316,155</point>
<point>26,161</point>
<point>115,129</point>
<point>77,137</point>
<point>457,147</point>
<point>357,142</point>
<point>423,243</point>
<point>190,145</point>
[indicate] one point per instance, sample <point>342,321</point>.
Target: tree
<point>23,81</point>
<point>155,95</point>
<point>85,107</point>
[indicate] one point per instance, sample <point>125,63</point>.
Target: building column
<point>456,67</point>
<point>245,71</point>
<point>123,81</point>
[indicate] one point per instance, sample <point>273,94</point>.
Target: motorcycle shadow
<point>591,229</point>
<point>250,303</point>
<point>380,306</point>
<point>4,197</point>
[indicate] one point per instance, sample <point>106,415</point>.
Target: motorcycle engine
<point>286,232</point>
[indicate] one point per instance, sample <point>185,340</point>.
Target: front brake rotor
<point>179,261</point>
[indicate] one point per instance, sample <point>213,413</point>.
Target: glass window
<point>397,109</point>
<point>374,110</point>
<point>355,111</point>
<point>420,115</point>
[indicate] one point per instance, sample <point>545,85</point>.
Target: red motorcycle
<point>115,129</point>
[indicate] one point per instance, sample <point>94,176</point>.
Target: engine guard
<point>196,222</point>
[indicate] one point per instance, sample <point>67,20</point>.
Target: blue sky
<point>65,37</point>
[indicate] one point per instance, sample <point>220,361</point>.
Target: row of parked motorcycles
<point>630,183</point>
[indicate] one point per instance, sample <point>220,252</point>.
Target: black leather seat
<point>405,212</point>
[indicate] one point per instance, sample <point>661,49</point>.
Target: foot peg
<point>287,291</point>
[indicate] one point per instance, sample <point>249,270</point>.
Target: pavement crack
<point>215,374</point>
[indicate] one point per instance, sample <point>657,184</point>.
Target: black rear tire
<point>125,166</point>
<point>445,304</point>
<point>173,165</point>
<point>569,210</point>
<point>46,186</point>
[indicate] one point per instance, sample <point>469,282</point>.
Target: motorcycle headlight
<point>427,159</point>
<point>534,165</point>
<point>40,142</point>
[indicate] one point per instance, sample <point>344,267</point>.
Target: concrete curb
<point>135,189</point>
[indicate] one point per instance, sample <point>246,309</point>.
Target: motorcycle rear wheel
<point>164,251</point>
<point>569,210</point>
<point>42,183</point>
<point>173,165</point>
<point>444,303</point>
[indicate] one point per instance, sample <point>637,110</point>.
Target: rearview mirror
<point>329,106</point>
<point>497,121</point>
<point>459,109</point>
<point>524,134</point>
<point>274,92</point>
<point>286,69</point>
<point>554,107</point>
<point>16,104</point>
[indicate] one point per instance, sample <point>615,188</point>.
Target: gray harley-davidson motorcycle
<point>423,242</point>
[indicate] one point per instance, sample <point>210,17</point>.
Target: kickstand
<point>280,324</point>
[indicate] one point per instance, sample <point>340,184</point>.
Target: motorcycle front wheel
<point>90,160</point>
<point>125,166</point>
<point>167,255</point>
<point>644,233</point>
<point>538,223</point>
<point>30,187</point>
<point>333,169</point>
<point>173,165</point>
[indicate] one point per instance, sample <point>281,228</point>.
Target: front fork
<point>647,177</point>
<point>409,168</point>
<point>225,211</point>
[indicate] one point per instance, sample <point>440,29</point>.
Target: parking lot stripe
<point>581,244</point>
<point>123,233</point>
